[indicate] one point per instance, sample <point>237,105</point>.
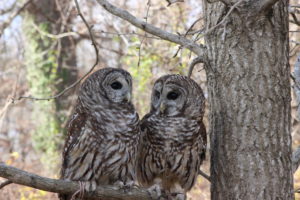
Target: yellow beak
<point>162,107</point>
<point>128,97</point>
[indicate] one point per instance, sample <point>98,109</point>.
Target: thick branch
<point>197,49</point>
<point>67,187</point>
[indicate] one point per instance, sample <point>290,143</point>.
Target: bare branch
<point>170,2</point>
<point>192,65</point>
<point>52,36</point>
<point>132,33</point>
<point>295,6</point>
<point>200,50</point>
<point>204,175</point>
<point>145,33</point>
<point>4,11</point>
<point>296,21</point>
<point>5,183</point>
<point>8,21</point>
<point>79,80</point>
<point>68,187</point>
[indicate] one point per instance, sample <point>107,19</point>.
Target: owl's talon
<point>120,185</point>
<point>155,192</point>
<point>177,196</point>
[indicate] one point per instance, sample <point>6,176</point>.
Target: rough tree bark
<point>249,96</point>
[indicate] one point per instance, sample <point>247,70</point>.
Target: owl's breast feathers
<point>101,145</point>
<point>173,149</point>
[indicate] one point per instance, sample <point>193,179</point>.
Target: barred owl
<point>173,142</point>
<point>103,132</point>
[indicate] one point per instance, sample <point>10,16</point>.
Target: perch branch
<point>200,50</point>
<point>79,80</point>
<point>68,187</point>
<point>5,183</point>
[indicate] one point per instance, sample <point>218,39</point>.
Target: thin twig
<point>145,33</point>
<point>221,22</point>
<point>5,183</point>
<point>295,6</point>
<point>192,65</point>
<point>204,175</point>
<point>79,80</point>
<point>8,21</point>
<point>296,21</point>
<point>187,33</point>
<point>53,36</point>
<point>132,33</point>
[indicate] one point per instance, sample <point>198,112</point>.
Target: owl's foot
<point>156,192</point>
<point>84,186</point>
<point>120,185</point>
<point>177,196</point>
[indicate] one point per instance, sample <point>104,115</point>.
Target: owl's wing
<point>203,136</point>
<point>144,147</point>
<point>75,127</point>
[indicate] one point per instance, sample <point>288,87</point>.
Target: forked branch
<point>198,49</point>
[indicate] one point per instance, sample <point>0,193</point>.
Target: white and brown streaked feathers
<point>103,132</point>
<point>174,137</point>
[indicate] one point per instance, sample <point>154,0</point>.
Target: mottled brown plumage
<point>103,132</point>
<point>173,137</point>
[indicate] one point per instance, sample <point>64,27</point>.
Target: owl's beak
<point>162,107</point>
<point>128,97</point>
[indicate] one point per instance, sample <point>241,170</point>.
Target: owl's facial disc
<point>118,88</point>
<point>156,96</point>
<point>172,100</point>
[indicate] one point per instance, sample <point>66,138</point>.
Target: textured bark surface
<point>249,96</point>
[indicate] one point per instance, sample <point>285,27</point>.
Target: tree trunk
<point>249,95</point>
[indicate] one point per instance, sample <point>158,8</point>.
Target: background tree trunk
<point>249,95</point>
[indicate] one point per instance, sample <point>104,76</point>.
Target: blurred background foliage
<point>44,47</point>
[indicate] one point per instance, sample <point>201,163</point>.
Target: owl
<point>173,141</point>
<point>103,133</point>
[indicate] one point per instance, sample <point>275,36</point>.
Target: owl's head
<point>177,95</point>
<point>108,85</point>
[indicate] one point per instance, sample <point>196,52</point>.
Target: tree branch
<point>192,65</point>
<point>200,50</point>
<point>8,21</point>
<point>5,183</point>
<point>68,187</point>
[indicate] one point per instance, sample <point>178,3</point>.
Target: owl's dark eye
<point>172,95</point>
<point>157,94</point>
<point>116,85</point>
